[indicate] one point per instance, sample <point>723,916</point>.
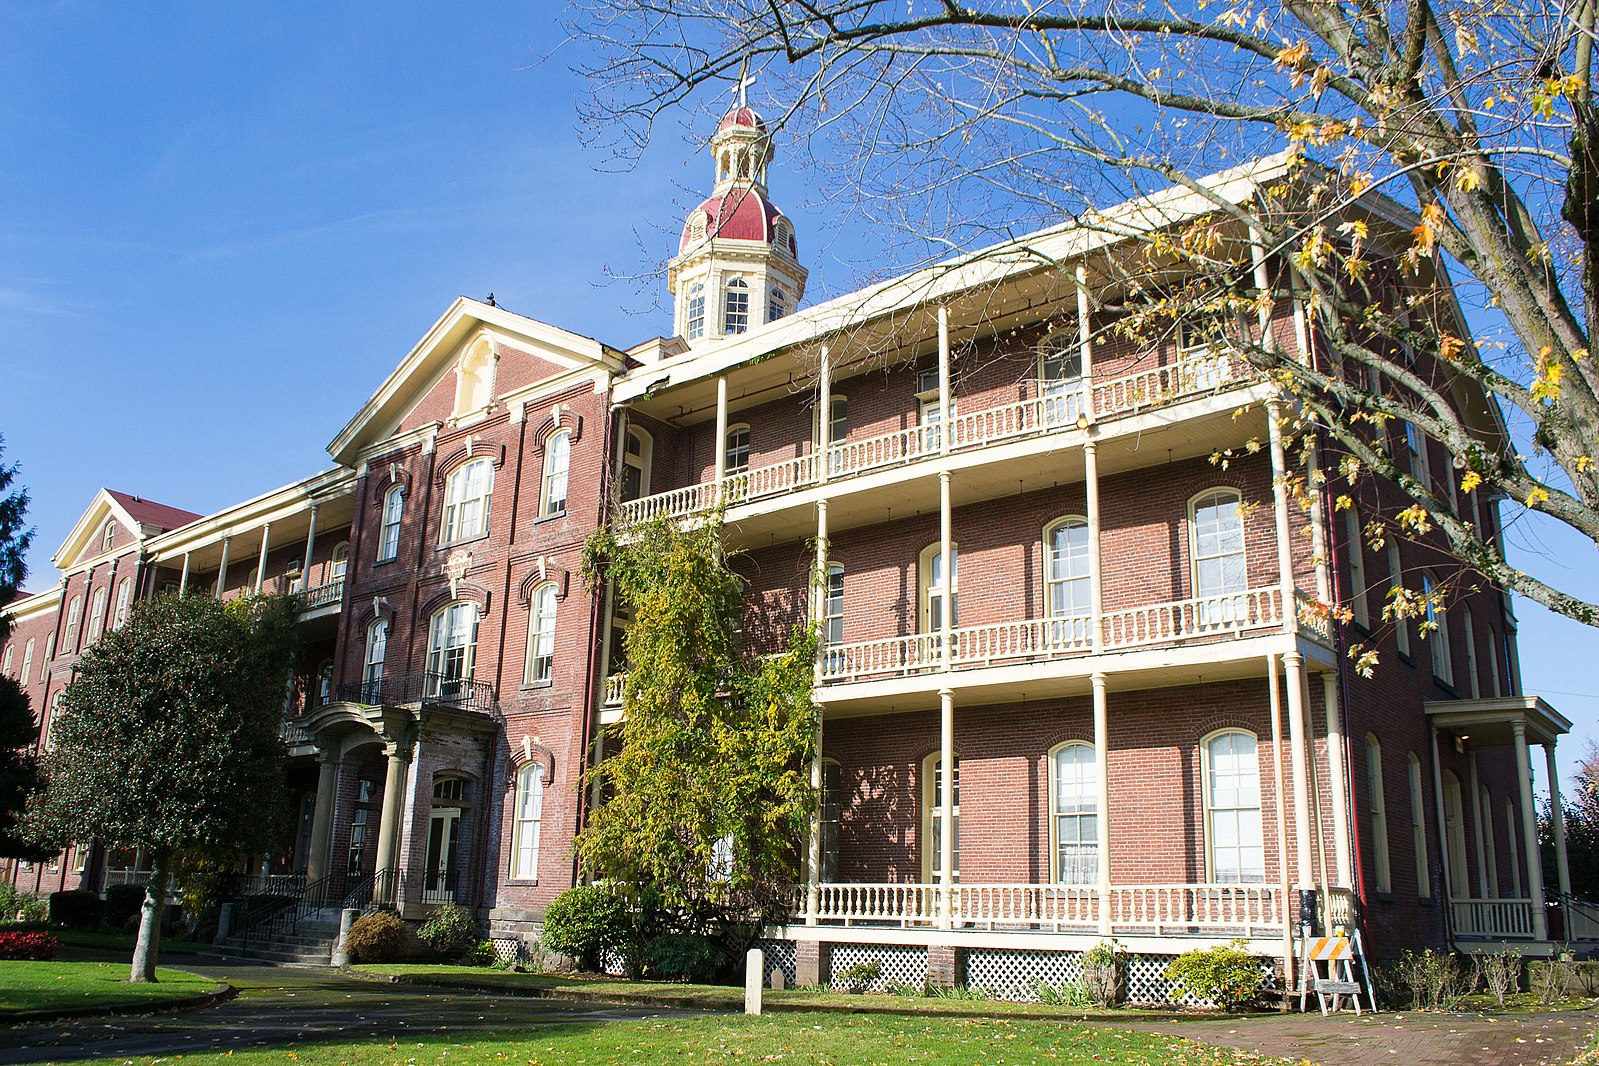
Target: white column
<point>721,431</point>
<point>1289,917</point>
<point>261,558</point>
<point>1318,529</point>
<point>824,415</point>
<point>1096,591</point>
<point>946,809</point>
<point>1279,495</point>
<point>310,544</point>
<point>1294,667</point>
<point>1557,820</point>
<point>393,814</point>
<point>1085,345</point>
<point>222,568</point>
<point>183,582</point>
<point>943,380</point>
<point>819,618</point>
<point>1257,254</point>
<point>1338,773</point>
<point>327,788</point>
<point>1102,797</point>
<point>1476,822</point>
<point>1529,833</point>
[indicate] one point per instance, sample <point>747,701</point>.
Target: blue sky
<point>221,225</point>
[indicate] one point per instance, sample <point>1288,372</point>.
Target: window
<point>377,646</point>
<point>838,423</point>
<point>1487,858</point>
<point>27,661</point>
<point>1455,826</point>
<point>694,316</point>
<point>1356,550</point>
<point>933,817</point>
<point>1418,829</point>
<point>1060,372</point>
<point>637,455</point>
<point>1216,541</point>
<point>557,466</point>
<point>1379,814</point>
<point>452,645</point>
<point>736,307</point>
<point>466,501</point>
<point>108,536</point>
<point>529,813</point>
<point>1443,667</point>
<point>124,602</point>
<point>1234,844</point>
<point>1511,849</point>
<point>339,565</point>
<point>5,664</point>
<point>833,607</point>
<point>324,683</point>
<point>1075,814</point>
<point>1416,450</point>
<point>389,531</point>
<point>1066,579</point>
<point>736,451</point>
<point>932,415</point>
<point>1395,586</point>
<point>474,383</point>
<point>540,669</point>
<point>74,614</point>
<point>49,653</point>
<point>832,817</point>
<point>1473,680</point>
<point>939,590</point>
<point>776,304</point>
<point>96,624</point>
<point>1493,664</point>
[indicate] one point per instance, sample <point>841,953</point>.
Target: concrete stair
<point>310,943</point>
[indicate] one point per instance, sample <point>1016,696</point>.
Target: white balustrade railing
<point>322,595</point>
<point>1206,616</point>
<point>757,483</point>
<point>1315,617</point>
<point>850,457</point>
<point>1197,909</point>
<point>1509,919</point>
<point>1207,372</point>
<point>614,685</point>
<point>904,903</point>
<point>879,658</point>
<point>1055,908</point>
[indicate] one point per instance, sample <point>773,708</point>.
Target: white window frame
<point>1473,672</point>
<point>1355,546</point>
<point>27,660</point>
<point>557,474</point>
<point>1489,858</point>
<point>694,312</point>
<point>1068,573</point>
<point>932,589</point>
<point>1443,662</point>
<point>96,622</point>
<point>833,606</point>
<point>1459,870</point>
<point>1060,376</point>
<point>1511,822</point>
<point>108,535</point>
<point>730,449</point>
<point>339,562</point>
<point>933,816</point>
<point>1240,812</point>
<point>1378,815</point>
<point>776,303</point>
<point>377,646</point>
<point>74,618</point>
<point>1418,828</point>
<point>119,615</point>
<point>540,662</point>
<point>1225,603</point>
<point>641,460</point>
<point>5,663</point>
<point>735,307</point>
<point>1396,580</point>
<point>528,821</point>
<point>389,530</point>
<point>474,379</point>
<point>450,660</point>
<point>1078,808</point>
<point>1416,449</point>
<point>466,517</point>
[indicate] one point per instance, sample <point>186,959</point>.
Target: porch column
<point>222,568</point>
<point>1085,346</point>
<point>946,809</point>
<point>1476,822</point>
<point>399,757</point>
<point>1557,820</point>
<point>943,381</point>
<point>1294,668</point>
<point>819,617</point>
<point>183,582</point>
<point>1285,560</point>
<point>1338,771</point>
<point>721,432</point>
<point>260,562</point>
<point>824,415</point>
<point>1096,592</point>
<point>1275,702</point>
<point>310,543</point>
<point>327,790</point>
<point>1529,832</point>
<point>1102,796</point>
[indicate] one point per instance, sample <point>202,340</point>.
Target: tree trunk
<point>148,947</point>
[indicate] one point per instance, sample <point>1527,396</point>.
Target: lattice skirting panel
<point>899,965</point>
<point>780,955</point>
<point>1005,973</point>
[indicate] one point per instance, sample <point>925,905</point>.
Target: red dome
<point>748,216</point>
<point>742,116</point>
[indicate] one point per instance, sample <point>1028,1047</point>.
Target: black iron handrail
<point>426,689</point>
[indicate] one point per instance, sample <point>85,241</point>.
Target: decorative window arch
<point>939,588</point>
<point>377,648</point>
<point>474,378</point>
<point>1418,827</point>
<point>452,648</point>
<point>540,668</point>
<point>124,603</point>
<point>694,312</point>
<point>467,493</point>
<point>339,564</point>
<point>638,456</point>
<point>74,616</point>
<point>696,226</point>
<point>389,529</point>
<point>1443,663</point>
<point>96,625</point>
<point>736,448</point>
<point>1378,813</point>
<point>557,473</point>
<point>1234,841</point>
<point>1216,544</point>
<point>27,661</point>
<point>527,825</point>
<point>736,307</point>
<point>1068,583</point>
<point>933,816</point>
<point>1074,814</point>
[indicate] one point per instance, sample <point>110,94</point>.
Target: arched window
<point>1488,858</point>
<point>389,531</point>
<point>377,648</point>
<point>5,663</point>
<point>1396,583</point>
<point>1074,813</point>
<point>467,494</point>
<point>1066,580</point>
<point>557,466</point>
<point>96,624</point>
<point>776,303</point>
<point>637,456</point>
<point>1418,828</point>
<point>452,648</point>
<point>540,669</point>
<point>1379,814</point>
<point>474,384</point>
<point>108,536</point>
<point>124,603</point>
<point>339,565</point>
<point>736,452</point>
<point>694,315</point>
<point>1455,826</point>
<point>1512,851</point>
<point>27,661</point>
<point>1356,552</point>
<point>933,817</point>
<point>529,815</point>
<point>74,615</point>
<point>736,307</point>
<point>1217,543</point>
<point>1443,664</point>
<point>940,589</point>
<point>1234,844</point>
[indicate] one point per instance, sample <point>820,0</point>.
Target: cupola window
<point>694,317</point>
<point>736,307</point>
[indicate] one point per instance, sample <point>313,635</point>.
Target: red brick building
<point>1127,661</point>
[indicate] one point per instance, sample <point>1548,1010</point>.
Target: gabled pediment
<point>511,351</point>
<point>132,519</point>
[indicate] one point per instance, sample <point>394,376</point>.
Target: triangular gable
<point>416,384</point>
<point>135,519</point>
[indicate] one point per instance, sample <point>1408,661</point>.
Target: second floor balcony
<point>421,690</point>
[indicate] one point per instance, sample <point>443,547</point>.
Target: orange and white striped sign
<point>1326,949</point>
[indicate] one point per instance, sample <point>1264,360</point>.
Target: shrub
<point>1551,979</point>
<point>1500,972</point>
<point>1434,980</point>
<point>450,932</point>
<point>1228,974</point>
<point>19,906</point>
<point>77,909</point>
<point>381,937</point>
<point>583,921</point>
<point>122,905</point>
<point>1070,994</point>
<point>860,977</point>
<point>480,954</point>
<point>1105,973</point>
<point>40,947</point>
<point>685,957</point>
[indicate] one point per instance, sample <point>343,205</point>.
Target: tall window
<point>1443,666</point>
<point>452,645</point>
<point>1379,814</point>
<point>340,564</point>
<point>933,822</point>
<point>940,588</point>
<point>5,663</point>
<point>389,532</point>
<point>1455,826</point>
<point>1357,568</point>
<point>736,307</point>
<point>1234,842</point>
<point>1418,828</point>
<point>1217,542</point>
<point>27,661</point>
<point>776,303</point>
<point>1396,583</point>
<point>74,615</point>
<point>324,683</point>
<point>466,500</point>
<point>1511,852</point>
<point>832,817</point>
<point>736,449</point>
<point>1493,664</point>
<point>108,536</point>
<point>377,647</point>
<point>1416,451</point>
<point>637,456</point>
<point>557,467</point>
<point>1473,681</point>
<point>474,383</point>
<point>124,603</point>
<point>96,624</point>
<point>694,317</point>
<point>529,815</point>
<point>1075,814</point>
<point>540,667</point>
<point>833,607</point>
<point>1060,372</point>
<point>1066,579</point>
<point>1488,859</point>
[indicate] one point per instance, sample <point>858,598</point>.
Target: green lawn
<point>794,1040</point>
<point>28,986</point>
<point>122,943</point>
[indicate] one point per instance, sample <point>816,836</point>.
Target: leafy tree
<point>982,119</point>
<point>1581,806</point>
<point>19,771</point>
<point>168,740</point>
<point>15,538</point>
<point>707,798</point>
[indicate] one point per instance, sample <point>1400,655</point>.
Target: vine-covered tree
<point>705,803</point>
<point>983,119</point>
<point>168,740</point>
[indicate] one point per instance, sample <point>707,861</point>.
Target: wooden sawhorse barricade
<point>1337,954</point>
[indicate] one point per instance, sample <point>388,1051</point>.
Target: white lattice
<point>780,955</point>
<point>900,965</point>
<point>508,950</point>
<point>1147,983</point>
<point>1015,974</point>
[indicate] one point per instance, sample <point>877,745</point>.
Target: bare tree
<point>1442,149</point>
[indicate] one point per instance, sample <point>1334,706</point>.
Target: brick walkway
<point>1406,1039</point>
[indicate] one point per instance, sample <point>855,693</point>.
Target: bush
<point>39,947</point>
<point>1228,975</point>
<point>122,905</point>
<point>1552,979</point>
<point>1500,973</point>
<point>583,921</point>
<point>19,906</point>
<point>860,977</point>
<point>1433,980</point>
<point>1105,973</point>
<point>381,937</point>
<point>450,933</point>
<point>77,909</point>
<point>480,954</point>
<point>1071,994</point>
<point>685,957</point>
